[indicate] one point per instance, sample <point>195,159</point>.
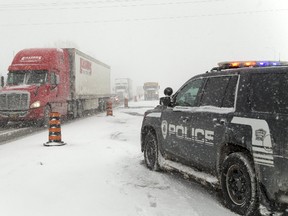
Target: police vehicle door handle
<point>184,119</point>
<point>221,121</point>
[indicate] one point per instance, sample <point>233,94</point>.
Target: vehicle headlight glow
<point>36,104</point>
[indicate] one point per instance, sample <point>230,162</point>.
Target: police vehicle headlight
<point>36,104</point>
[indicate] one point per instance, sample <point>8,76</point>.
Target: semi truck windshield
<point>27,77</point>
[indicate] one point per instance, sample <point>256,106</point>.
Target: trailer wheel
<point>239,184</point>
<point>74,110</point>
<point>3,124</point>
<point>79,109</point>
<point>101,105</point>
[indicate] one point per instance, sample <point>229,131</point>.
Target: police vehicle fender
<point>151,119</point>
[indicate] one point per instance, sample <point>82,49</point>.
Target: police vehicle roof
<point>237,67</point>
<point>248,64</point>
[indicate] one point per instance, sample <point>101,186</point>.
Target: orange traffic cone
<point>126,102</point>
<point>109,110</point>
<point>54,130</point>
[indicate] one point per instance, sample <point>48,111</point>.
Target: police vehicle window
<point>187,96</point>
<point>269,93</point>
<point>214,91</point>
<point>229,98</point>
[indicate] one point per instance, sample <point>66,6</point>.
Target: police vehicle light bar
<point>243,64</point>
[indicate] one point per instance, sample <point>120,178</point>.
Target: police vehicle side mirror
<point>168,91</point>
<point>166,101</point>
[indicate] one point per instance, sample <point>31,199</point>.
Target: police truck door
<point>177,122</point>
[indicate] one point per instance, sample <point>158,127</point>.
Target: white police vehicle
<point>232,124</point>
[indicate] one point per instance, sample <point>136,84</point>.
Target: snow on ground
<point>100,171</point>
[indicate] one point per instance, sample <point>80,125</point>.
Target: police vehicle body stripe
<point>155,115</point>
<point>261,140</point>
<point>267,157</point>
<point>260,149</point>
<point>209,109</point>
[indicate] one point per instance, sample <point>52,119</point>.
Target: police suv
<point>231,124</point>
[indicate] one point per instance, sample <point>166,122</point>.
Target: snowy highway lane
<point>99,172</point>
<point>9,133</point>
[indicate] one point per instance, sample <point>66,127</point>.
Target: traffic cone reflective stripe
<point>55,138</point>
<point>54,130</point>
<point>54,122</point>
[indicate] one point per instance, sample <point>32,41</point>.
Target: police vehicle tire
<point>239,185</point>
<point>151,151</point>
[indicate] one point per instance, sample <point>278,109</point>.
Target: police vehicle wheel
<point>151,152</point>
<point>239,185</point>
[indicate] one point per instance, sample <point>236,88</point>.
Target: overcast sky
<point>167,41</point>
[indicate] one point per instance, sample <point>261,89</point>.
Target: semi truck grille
<point>14,101</point>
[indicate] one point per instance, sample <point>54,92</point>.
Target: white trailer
<point>89,82</point>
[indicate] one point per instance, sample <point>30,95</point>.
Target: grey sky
<point>167,41</point>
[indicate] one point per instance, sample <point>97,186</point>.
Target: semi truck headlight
<point>36,104</point>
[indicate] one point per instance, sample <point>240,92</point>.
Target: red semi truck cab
<point>38,82</point>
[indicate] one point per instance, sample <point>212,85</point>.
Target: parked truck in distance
<point>151,90</point>
<point>123,88</point>
<point>50,79</point>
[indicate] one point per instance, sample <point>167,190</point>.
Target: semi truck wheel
<point>239,185</point>
<point>45,121</point>
<point>47,111</point>
<point>151,151</point>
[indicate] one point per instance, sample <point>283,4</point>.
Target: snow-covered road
<point>100,171</point>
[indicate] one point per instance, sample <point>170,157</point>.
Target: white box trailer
<point>89,81</point>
